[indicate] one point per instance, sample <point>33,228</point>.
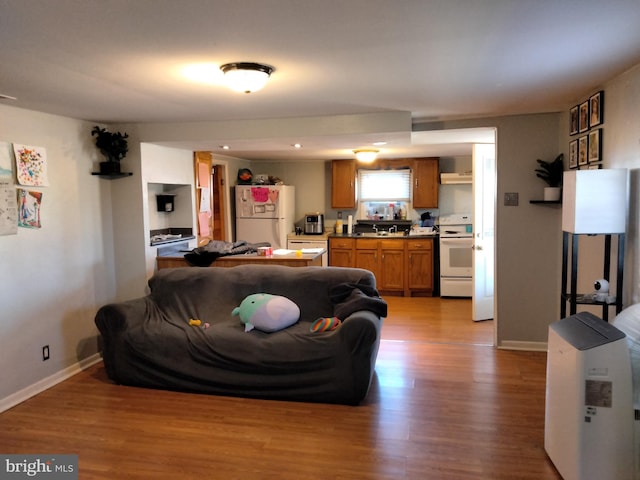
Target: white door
<point>484,206</point>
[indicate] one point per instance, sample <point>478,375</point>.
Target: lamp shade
<point>595,201</point>
<point>366,155</point>
<point>246,77</point>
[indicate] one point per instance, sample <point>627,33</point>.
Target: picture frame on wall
<point>595,166</point>
<point>583,151</point>
<point>573,154</point>
<point>584,117</point>
<point>574,120</point>
<point>595,146</point>
<point>596,109</point>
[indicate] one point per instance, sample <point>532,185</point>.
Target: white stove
<point>456,255</point>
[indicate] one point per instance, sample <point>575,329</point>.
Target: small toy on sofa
<point>266,312</point>
<point>325,324</point>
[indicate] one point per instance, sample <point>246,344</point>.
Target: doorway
<point>212,198</point>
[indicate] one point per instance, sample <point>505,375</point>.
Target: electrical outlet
<point>45,353</point>
<point>511,199</point>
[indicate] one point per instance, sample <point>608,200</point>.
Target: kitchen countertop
<point>385,237</point>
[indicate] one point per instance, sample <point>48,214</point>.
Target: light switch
<point>511,199</point>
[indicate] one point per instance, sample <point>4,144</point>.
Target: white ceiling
<point>124,61</point>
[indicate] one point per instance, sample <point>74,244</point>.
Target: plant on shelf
<point>113,146</point>
<point>551,173</point>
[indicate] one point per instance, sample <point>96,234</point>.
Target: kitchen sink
<point>381,234</point>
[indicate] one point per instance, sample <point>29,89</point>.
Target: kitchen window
<point>384,185</point>
<point>384,194</point>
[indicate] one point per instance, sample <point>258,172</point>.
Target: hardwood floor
<point>444,405</point>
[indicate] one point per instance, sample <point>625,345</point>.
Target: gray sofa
<point>149,342</point>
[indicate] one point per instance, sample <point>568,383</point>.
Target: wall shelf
<point>112,176</point>
<point>546,202</point>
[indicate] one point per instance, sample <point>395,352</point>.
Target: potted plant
<point>113,146</point>
<point>551,173</point>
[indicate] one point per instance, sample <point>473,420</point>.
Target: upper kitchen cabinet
<point>425,182</point>
<point>343,184</point>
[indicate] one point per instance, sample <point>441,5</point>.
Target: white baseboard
<point>46,383</point>
<point>528,346</point>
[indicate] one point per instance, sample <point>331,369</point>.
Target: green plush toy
<point>266,312</point>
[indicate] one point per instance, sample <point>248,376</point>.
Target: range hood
<point>456,178</point>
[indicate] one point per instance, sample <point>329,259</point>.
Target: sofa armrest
<point>117,317</point>
<point>360,334</point>
<point>361,330</point>
<point>113,320</point>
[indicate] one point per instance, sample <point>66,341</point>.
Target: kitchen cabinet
<point>420,265</point>
<point>385,258</point>
<point>343,184</point>
<point>341,252</point>
<point>401,265</point>
<point>425,182</point>
<point>366,255</point>
<point>391,265</point>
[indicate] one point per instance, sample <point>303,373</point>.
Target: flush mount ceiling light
<point>366,155</point>
<point>246,77</point>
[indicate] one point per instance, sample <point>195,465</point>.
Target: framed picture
<point>573,116</point>
<point>573,154</point>
<point>595,146</point>
<point>584,117</point>
<point>595,166</point>
<point>583,153</point>
<point>596,109</point>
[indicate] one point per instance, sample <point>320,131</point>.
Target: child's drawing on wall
<point>29,208</point>
<point>31,165</point>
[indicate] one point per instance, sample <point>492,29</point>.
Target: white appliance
<point>300,242</point>
<point>589,415</point>
<point>265,213</point>
<point>456,255</point>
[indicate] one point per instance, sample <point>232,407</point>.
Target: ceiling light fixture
<point>245,76</point>
<point>366,155</point>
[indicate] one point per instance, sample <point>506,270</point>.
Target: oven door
<point>456,257</point>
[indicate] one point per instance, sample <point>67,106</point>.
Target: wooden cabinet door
<point>343,184</point>
<point>368,259</point>
<point>425,183</point>
<point>392,266</point>
<point>340,258</point>
<point>421,270</point>
<point>341,252</point>
<point>420,265</point>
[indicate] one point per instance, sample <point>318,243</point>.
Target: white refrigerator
<point>264,213</point>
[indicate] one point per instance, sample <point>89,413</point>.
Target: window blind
<point>384,185</point>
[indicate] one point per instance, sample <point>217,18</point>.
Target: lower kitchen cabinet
<point>401,266</point>
<point>391,265</point>
<point>367,257</point>
<point>420,266</point>
<point>341,252</point>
